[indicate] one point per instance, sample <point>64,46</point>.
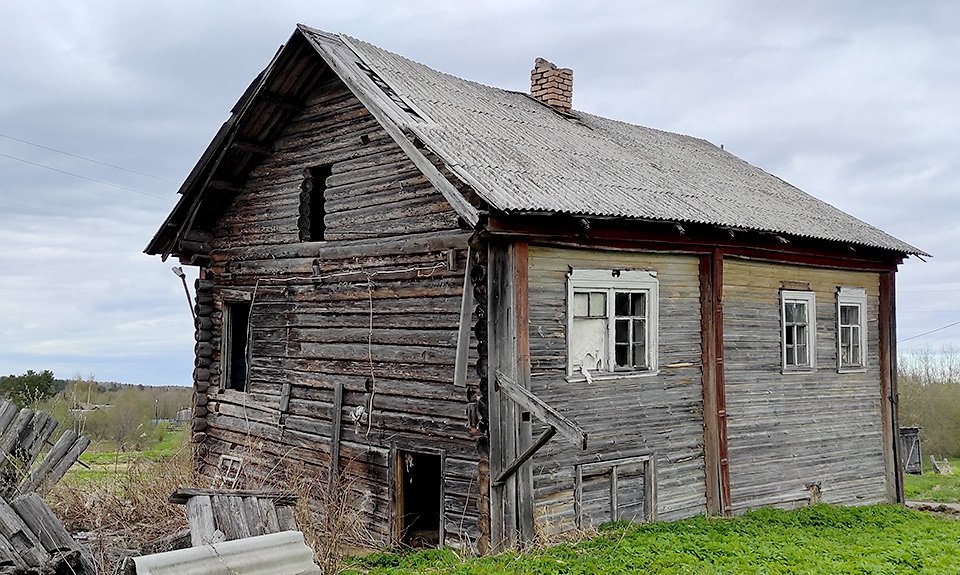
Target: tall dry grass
<point>119,515</point>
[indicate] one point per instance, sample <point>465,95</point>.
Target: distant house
<point>492,316</point>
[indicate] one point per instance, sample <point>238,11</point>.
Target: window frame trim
<point>852,296</point>
<point>611,281</point>
<point>810,299</point>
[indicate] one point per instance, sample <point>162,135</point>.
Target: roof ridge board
<point>424,117</point>
<point>374,101</point>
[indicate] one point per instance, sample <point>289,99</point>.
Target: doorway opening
<point>420,499</point>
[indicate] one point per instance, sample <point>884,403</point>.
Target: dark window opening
<point>313,203</point>
<point>419,499</point>
<point>238,321</point>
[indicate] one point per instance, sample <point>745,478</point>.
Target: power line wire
<point>928,332</point>
<point>114,166</point>
<point>112,185</point>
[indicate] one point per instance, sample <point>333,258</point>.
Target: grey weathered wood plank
<point>200,516</point>
<point>542,411</point>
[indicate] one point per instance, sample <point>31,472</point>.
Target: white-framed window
<point>612,321</point>
<point>851,329</point>
<point>798,313</point>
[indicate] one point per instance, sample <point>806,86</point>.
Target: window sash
<point>798,331</point>
<point>625,342</point>
<point>851,329</point>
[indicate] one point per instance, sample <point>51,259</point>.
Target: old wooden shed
<point>490,316</point>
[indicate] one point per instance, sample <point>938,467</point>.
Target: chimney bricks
<point>551,85</point>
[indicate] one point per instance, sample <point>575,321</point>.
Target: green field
<point>933,487</point>
<point>882,539</point>
<point>102,461</point>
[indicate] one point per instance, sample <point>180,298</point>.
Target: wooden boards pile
<point>32,538</point>
<point>23,433</point>
<point>226,515</point>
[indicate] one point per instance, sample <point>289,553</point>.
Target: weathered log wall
<point>790,431</point>
<point>628,416</point>
<point>373,310</point>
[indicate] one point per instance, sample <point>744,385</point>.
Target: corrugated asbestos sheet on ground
<point>522,156</point>
<point>282,553</point>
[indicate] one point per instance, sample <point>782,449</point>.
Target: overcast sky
<point>857,103</point>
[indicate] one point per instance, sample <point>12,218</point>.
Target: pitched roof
<point>521,156</point>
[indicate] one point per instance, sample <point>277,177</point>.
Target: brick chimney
<point>551,85</point>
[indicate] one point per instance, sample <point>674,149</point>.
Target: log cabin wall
<point>373,310</point>
<point>628,417</point>
<point>790,431</point>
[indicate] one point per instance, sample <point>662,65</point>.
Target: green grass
<point>933,487</point>
<point>104,462</point>
<point>882,539</point>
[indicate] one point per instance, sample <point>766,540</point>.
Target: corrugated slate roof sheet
<point>522,156</point>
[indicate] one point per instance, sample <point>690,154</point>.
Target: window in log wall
<point>313,203</point>
<point>235,352</point>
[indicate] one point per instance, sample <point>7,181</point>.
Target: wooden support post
<point>890,417</point>
<point>521,305</point>
<point>503,420</point>
<point>335,435</point>
<point>717,472</point>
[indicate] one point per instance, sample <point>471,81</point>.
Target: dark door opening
<point>420,478</point>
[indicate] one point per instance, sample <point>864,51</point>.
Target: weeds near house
<point>118,512</point>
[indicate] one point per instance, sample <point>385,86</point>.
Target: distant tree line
<point>126,416</point>
<point>929,385</point>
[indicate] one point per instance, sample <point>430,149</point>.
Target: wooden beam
<point>521,313</point>
<point>721,399</point>
<point>889,415</point>
<point>523,457</point>
<point>465,327</point>
<point>251,148</point>
<point>378,105</point>
<point>708,353</point>
<point>530,402</point>
<point>335,435</point>
<point>224,186</point>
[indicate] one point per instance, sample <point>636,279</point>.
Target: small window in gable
<point>851,329</point>
<point>612,322</point>
<point>798,311</point>
<point>236,342</point>
<point>313,190</point>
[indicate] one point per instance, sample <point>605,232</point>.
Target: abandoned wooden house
<point>491,317</point>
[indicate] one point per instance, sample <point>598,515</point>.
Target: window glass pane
<point>801,334</point>
<point>581,303</point>
<point>845,336</point>
<point>622,331</point>
<point>855,355</point>
<point>622,304</point>
<point>598,304</point>
<point>791,354</point>
<point>639,330</point>
<point>791,334</point>
<point>623,355</point>
<point>588,340</point>
<point>640,354</point>
<point>801,355</point>
<point>639,304</point>
<point>796,312</point>
<point>850,315</point>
